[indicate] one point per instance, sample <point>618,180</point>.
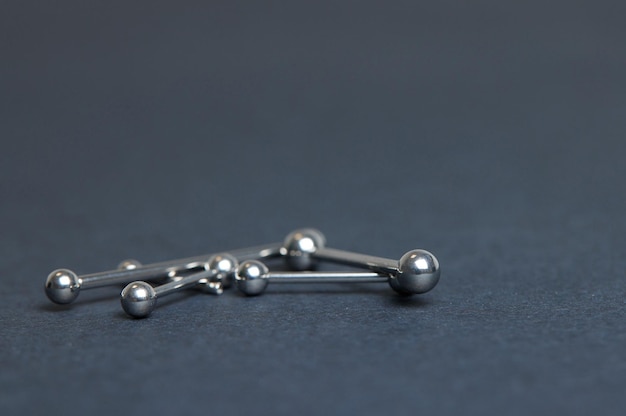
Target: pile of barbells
<point>416,272</point>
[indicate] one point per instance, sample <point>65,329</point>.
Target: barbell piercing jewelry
<point>139,298</point>
<point>62,286</point>
<point>416,272</point>
<point>253,277</point>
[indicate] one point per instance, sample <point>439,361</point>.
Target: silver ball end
<point>138,299</point>
<point>251,277</point>
<point>62,286</point>
<point>299,246</point>
<point>129,264</point>
<point>418,272</point>
<point>225,266</point>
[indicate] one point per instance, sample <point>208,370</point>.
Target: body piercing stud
<point>417,271</point>
<point>63,285</point>
<point>139,298</point>
<point>253,277</point>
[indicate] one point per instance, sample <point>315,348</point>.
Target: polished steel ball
<point>225,267</point>
<point>129,264</point>
<point>299,247</point>
<point>62,286</point>
<point>251,277</point>
<point>418,272</point>
<point>138,299</point>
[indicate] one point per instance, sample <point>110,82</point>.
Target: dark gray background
<point>491,133</point>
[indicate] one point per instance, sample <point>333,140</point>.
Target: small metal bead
<point>138,299</point>
<point>251,277</point>
<point>225,267</point>
<point>129,264</point>
<point>62,286</point>
<point>299,247</point>
<point>418,272</point>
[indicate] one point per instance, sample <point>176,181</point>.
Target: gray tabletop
<point>492,135</point>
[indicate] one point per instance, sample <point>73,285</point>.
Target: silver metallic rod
<point>253,277</point>
<point>348,258</point>
<point>162,269</point>
<point>139,298</point>
<point>325,277</point>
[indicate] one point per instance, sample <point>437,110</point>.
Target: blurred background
<point>491,133</point>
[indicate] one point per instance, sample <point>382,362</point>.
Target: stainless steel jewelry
<point>139,298</point>
<point>417,271</point>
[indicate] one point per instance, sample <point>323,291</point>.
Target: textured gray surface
<point>490,134</point>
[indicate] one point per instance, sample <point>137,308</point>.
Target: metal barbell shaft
<point>253,277</point>
<point>348,258</point>
<point>325,277</point>
<point>139,299</point>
